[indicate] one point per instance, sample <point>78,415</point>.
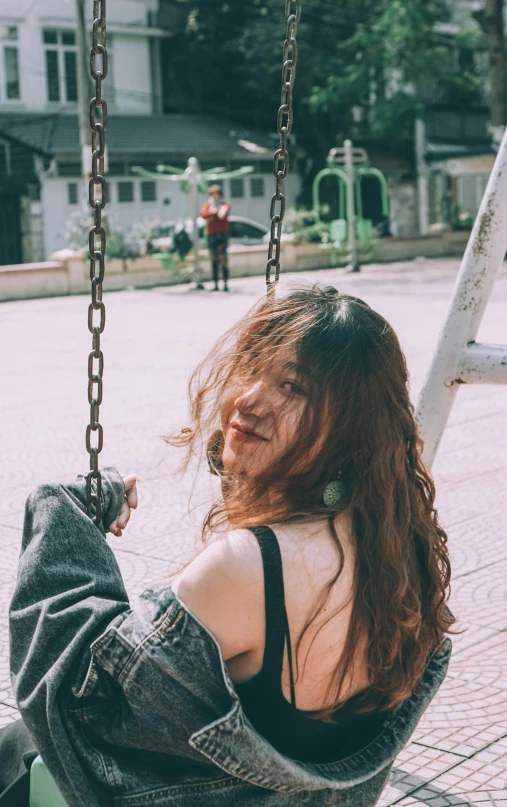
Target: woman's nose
<point>253,399</point>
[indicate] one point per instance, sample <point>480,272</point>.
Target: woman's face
<point>261,415</point>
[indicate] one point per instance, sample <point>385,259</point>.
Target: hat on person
<point>215,189</point>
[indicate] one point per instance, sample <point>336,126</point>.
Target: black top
<point>290,730</point>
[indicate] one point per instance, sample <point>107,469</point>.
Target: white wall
<point>130,52</point>
<point>258,208</point>
<point>57,211</point>
<point>131,75</point>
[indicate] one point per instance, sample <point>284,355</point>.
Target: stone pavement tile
<point>7,714</point>
<point>474,423</point>
<point>162,527</point>
<point>471,404</point>
<point>488,666</point>
<point>483,458</point>
<point>480,598</point>
<point>429,798</point>
<point>481,780</point>
<point>487,770</point>
<point>140,573</point>
<point>486,492</point>
<point>10,541</point>
<point>475,638</point>
<point>414,766</point>
<point>6,695</point>
<point>465,716</point>
<point>476,542</point>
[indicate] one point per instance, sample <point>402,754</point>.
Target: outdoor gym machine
<point>351,226</point>
<point>369,171</point>
<point>458,358</point>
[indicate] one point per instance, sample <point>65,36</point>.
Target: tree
<point>360,62</point>
<point>491,20</point>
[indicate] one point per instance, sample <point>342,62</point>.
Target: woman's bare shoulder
<point>223,588</point>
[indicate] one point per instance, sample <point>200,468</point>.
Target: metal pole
<point>84,93</point>
<point>422,176</point>
<point>351,213</point>
<point>193,170</point>
<point>458,359</point>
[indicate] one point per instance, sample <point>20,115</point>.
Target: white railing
<point>458,358</point>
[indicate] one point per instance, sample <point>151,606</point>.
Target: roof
<point>177,134</point>
<point>447,151</point>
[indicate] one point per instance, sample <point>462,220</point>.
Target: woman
<point>285,664</point>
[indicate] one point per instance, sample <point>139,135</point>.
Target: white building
<point>40,174</point>
<point>455,153</point>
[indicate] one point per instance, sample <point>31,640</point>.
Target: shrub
<point>305,227</point>
<point>118,245</point>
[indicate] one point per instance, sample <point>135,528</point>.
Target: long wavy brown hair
<point>358,425</point>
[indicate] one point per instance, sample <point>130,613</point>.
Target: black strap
<point>277,623</point>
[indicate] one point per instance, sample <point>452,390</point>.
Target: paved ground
<point>458,756</point>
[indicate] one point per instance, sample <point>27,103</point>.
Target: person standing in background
<point>216,212</point>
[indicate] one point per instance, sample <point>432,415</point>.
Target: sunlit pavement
<point>152,340</point>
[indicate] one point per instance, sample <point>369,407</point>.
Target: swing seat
<point>364,231</point>
<point>338,231</point>
<point>365,234</point>
<point>337,239</point>
<point>43,790</point>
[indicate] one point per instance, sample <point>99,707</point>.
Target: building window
<point>12,89</point>
<point>70,73</point>
<point>149,191</point>
<point>72,195</point>
<point>117,169</point>
<point>125,191</point>
<point>237,188</point>
<point>61,65</point>
<point>52,75</point>
<point>257,187</point>
<point>69,169</point>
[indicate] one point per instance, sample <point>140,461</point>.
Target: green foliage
<point>359,62</point>
<point>305,227</point>
<point>463,87</point>
<point>78,226</point>
<point>145,231</point>
<point>472,39</point>
<point>461,220</point>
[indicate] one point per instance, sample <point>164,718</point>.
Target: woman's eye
<point>293,388</point>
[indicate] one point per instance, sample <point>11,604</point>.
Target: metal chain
<point>97,251</point>
<point>281,156</point>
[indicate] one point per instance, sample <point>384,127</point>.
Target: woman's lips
<point>243,436</point>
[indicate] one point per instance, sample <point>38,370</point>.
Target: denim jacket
<point>131,705</point>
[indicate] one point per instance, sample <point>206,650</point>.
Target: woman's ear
<point>214,451</point>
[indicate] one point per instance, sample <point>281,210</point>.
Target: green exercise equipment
<point>341,179</point>
<point>338,228</point>
<point>369,171</point>
<point>166,260</point>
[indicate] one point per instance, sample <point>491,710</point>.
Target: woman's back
<point>293,731</point>
<point>310,559</point>
<point>227,587</point>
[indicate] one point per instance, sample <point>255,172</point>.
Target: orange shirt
<point>214,223</point>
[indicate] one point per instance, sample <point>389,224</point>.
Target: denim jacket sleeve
<point>88,668</point>
<point>68,590</point>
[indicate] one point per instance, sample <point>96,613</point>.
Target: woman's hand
<point>130,503</point>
